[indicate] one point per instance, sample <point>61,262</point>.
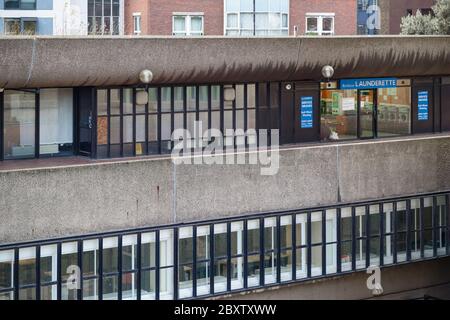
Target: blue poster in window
<point>306,112</point>
<point>423,105</point>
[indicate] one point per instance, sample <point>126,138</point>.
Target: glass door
<point>366,114</point>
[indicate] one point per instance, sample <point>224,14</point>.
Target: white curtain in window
<point>262,5</point>
<point>196,24</point>
<point>247,21</point>
<point>232,5</point>
<point>247,5</point>
<point>232,21</point>
<point>56,116</point>
<point>179,24</point>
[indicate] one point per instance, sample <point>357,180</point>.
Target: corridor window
<point>188,25</point>
<point>260,18</point>
<point>103,17</point>
<point>320,24</point>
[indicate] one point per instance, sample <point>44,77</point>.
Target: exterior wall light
<point>146,76</point>
<point>289,87</point>
<point>328,72</point>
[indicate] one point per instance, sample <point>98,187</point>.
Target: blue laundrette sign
<point>368,83</point>
<point>306,112</point>
<point>423,105</point>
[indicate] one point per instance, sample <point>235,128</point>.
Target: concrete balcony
<point>42,199</point>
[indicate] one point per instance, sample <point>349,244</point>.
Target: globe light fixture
<point>146,76</point>
<point>328,72</point>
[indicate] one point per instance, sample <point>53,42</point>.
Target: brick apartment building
<point>240,17</point>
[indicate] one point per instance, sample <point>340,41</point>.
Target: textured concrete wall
<point>100,197</point>
<point>410,281</point>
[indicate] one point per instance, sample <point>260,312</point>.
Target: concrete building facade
<point>361,164</point>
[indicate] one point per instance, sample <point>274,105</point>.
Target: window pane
<point>110,287</point>
<point>110,255</point>
<point>6,269</point>
<point>127,101</point>
<point>232,21</point>
<point>166,99</point>
<point>115,101</point>
<point>19,124</point>
<point>338,115</point>
<point>48,264</point>
<point>166,248</point>
<point>27,266</point>
<point>327,24</point>
<point>148,285</point>
<point>148,250</point>
<point>253,236</point>
<point>394,111</point>
<point>179,24</point>
<point>115,130</point>
<point>311,25</point>
<point>197,24</point>
<point>129,251</point>
<point>69,258</point>
<point>56,121</point>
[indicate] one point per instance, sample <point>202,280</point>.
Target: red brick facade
<point>344,10</point>
<point>156,15</point>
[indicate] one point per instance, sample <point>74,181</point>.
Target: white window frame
<point>319,17</point>
<point>137,23</point>
<point>187,22</point>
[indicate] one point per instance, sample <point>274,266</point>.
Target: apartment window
<point>22,26</point>
<point>20,4</point>
<point>103,17</point>
<point>260,18</point>
<point>137,23</point>
<point>320,24</point>
<point>188,24</point>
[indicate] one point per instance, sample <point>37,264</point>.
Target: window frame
<point>188,16</point>
<point>319,18</point>
<point>20,5</point>
<point>137,23</point>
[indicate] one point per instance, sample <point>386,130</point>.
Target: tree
<point>437,23</point>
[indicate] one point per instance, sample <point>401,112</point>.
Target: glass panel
<point>220,240</point>
<point>375,251</point>
<point>220,275</point>
<point>128,129</point>
<point>366,113</point>
<point>196,25</point>
<point>179,98</point>
<point>129,253</point>
<point>286,232</point>
<point>102,102</point>
<point>115,101</point>
<point>90,289</point>
<point>346,256</point>
<point>115,130</point>
<point>338,115</point>
<point>232,21</point>
<point>311,25</point>
<point>110,255</point>
<point>27,294</point>
<point>253,237</point>
<point>375,220</point>
<point>127,101</point>
<point>56,121</point>
<point>148,285</point>
<point>19,124</point>
<point>47,292</point>
<point>316,227</point>
<point>48,264</point>
<point>69,258</point>
<point>428,213</point>
<point>316,260</point>
<point>166,284</point>
<point>394,111</point>
<point>6,269</point>
<point>166,99</point>
<point>179,24</point>
<point>166,248</point>
<point>110,287</point>
<point>129,285</point>
<point>401,247</point>
<point>253,270</point>
<point>148,250</point>
<point>360,254</point>
<point>27,266</point>
<point>300,230</point>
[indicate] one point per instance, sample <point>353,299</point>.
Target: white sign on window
<point>348,104</point>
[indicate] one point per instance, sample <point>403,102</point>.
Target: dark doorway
<point>86,121</point>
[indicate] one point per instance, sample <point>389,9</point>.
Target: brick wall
<point>132,6</point>
<point>344,10</point>
<point>160,21</point>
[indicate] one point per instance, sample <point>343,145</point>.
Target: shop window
<point>338,115</point>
